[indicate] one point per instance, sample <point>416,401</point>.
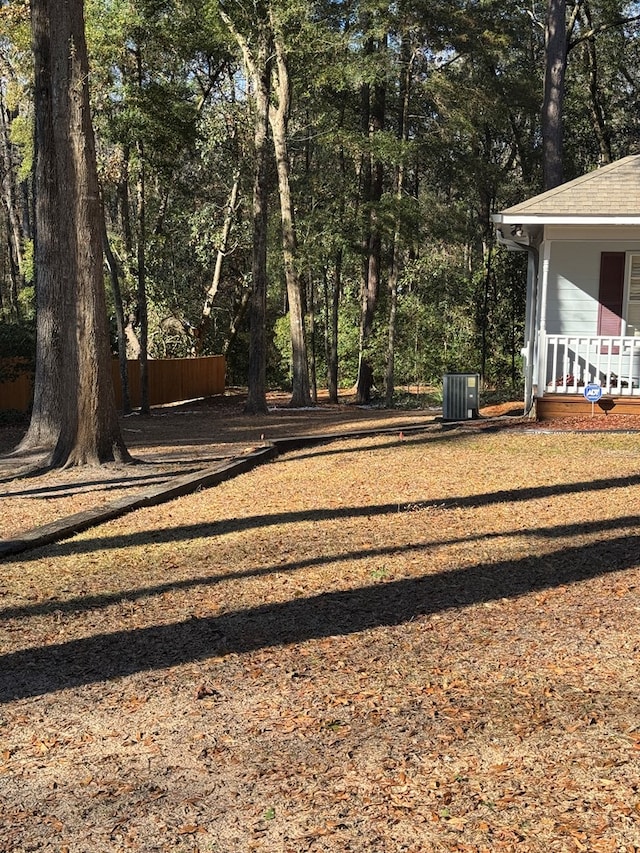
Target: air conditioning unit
<point>460,396</point>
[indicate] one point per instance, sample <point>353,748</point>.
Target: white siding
<point>573,282</point>
<point>585,233</point>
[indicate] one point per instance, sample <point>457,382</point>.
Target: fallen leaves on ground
<point>426,644</point>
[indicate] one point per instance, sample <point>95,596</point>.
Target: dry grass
<point>418,644</point>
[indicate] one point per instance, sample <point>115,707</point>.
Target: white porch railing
<point>569,362</point>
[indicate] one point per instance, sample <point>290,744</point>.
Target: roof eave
<point>555,219</point>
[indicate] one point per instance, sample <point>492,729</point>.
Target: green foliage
<point>281,368</point>
<point>17,340</point>
<point>348,339</point>
<point>435,318</point>
<point>17,349</point>
<point>27,295</point>
<point>14,18</point>
<point>27,302</point>
<point>169,92</point>
<point>22,137</point>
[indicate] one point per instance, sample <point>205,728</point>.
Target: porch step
<point>574,405</point>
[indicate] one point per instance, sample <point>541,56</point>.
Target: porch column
<point>529,351</point>
<point>540,376</point>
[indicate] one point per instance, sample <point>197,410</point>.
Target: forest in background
<point>348,154</point>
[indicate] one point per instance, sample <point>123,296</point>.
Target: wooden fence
<point>171,380</point>
<point>18,393</point>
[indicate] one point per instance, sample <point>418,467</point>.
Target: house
<point>582,323</point>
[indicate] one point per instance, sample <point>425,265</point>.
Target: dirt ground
<point>410,642</point>
<point>175,440</point>
<point>185,439</point>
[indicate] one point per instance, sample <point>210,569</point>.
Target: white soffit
<point>550,219</point>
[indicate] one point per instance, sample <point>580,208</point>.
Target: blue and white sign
<point>592,392</point>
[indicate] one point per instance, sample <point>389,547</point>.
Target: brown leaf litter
<point>425,642</point>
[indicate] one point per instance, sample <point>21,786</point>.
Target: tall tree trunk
<point>257,377</point>
<point>141,287</point>
<point>311,304</point>
<point>389,383</point>
<point>552,108</point>
<point>124,202</point>
<point>332,299</point>
<point>598,122</point>
<point>141,278</point>
<point>15,278</point>
<point>210,296</point>
<point>406,69</point>
<point>327,334</point>
<point>278,118</point>
<point>373,110</point>
<point>74,413</point>
<point>15,236</point>
<point>258,64</point>
<point>234,324</point>
<point>485,302</point>
<point>484,320</point>
<point>331,306</point>
<point>112,266</point>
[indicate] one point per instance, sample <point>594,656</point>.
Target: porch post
<point>540,377</point>
<point>529,350</point>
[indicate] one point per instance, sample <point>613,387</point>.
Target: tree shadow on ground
<point>37,671</point>
<point>234,445</point>
<point>223,526</point>
<point>93,602</point>
<point>398,436</point>
<point>105,484</point>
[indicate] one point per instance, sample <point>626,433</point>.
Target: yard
<point>408,642</point>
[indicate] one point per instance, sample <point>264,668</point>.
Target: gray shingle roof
<point>612,190</point>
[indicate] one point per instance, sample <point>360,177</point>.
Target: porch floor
<point>571,405</point>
